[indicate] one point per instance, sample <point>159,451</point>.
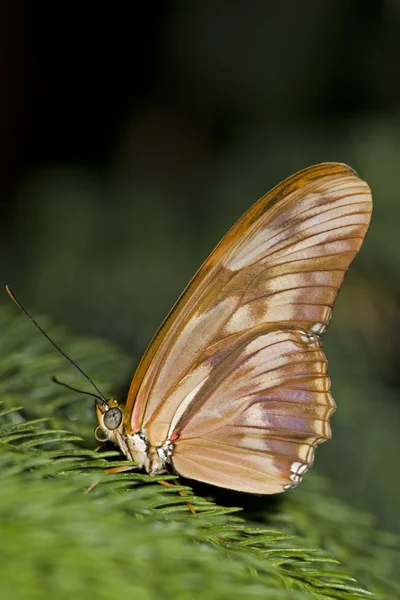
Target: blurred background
<point>130,143</point>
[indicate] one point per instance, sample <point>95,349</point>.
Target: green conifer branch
<point>129,536</point>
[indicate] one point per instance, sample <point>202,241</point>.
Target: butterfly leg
<point>119,469</point>
<point>169,484</point>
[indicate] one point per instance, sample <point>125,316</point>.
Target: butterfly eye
<point>112,418</point>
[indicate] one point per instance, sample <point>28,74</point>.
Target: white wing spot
<point>312,336</point>
<point>318,328</point>
<point>309,338</point>
<point>297,471</point>
<point>289,486</point>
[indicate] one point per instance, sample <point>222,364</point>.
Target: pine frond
<point>68,530</point>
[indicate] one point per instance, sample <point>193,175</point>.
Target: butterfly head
<point>112,426</point>
<point>110,417</point>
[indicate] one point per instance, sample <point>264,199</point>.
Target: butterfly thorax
<point>137,447</point>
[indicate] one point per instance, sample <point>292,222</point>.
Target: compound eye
<point>113,418</point>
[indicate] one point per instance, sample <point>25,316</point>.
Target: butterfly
<point>233,389</point>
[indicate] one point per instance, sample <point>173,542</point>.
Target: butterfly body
<point>233,389</point>
<point>136,446</point>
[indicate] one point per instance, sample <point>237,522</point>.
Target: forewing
<point>281,265</point>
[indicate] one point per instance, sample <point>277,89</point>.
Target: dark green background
<point>131,143</point>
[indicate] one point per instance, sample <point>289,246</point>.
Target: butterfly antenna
<point>54,379</point>
<point>16,301</point>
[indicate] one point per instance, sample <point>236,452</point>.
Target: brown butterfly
<point>233,389</point>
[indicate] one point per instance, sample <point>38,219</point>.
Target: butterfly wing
<point>265,408</point>
<point>272,281</point>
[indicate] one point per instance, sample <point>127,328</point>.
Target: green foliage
<point>128,536</point>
